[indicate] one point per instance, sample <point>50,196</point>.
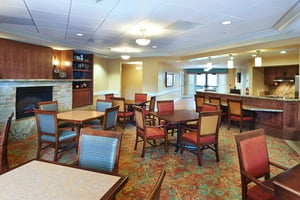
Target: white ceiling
<point>177,27</point>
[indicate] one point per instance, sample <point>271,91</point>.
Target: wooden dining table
<point>287,184</point>
<point>79,116</point>
<point>36,180</point>
<point>177,117</point>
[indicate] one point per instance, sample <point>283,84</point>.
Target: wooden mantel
<point>279,117</point>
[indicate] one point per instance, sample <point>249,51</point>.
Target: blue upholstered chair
<point>49,133</point>
<point>53,106</point>
<point>3,144</point>
<point>101,106</point>
<point>99,149</point>
<point>109,121</point>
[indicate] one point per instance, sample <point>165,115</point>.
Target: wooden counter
<point>279,117</point>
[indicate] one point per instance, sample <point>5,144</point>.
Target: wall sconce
<point>230,63</point>
<point>55,63</point>
<point>257,60</point>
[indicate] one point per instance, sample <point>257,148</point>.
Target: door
<point>131,80</point>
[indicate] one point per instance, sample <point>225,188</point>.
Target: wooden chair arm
<point>278,165</point>
<point>259,183</point>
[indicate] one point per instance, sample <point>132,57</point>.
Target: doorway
<point>131,79</point>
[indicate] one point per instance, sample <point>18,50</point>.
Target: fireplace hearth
<point>27,99</point>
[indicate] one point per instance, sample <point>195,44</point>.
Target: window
<point>208,80</point>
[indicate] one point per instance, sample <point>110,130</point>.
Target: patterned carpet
<point>184,178</point>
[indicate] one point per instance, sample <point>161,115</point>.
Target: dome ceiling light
<point>143,41</point>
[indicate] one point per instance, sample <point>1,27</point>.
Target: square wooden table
<point>79,116</point>
<point>36,180</point>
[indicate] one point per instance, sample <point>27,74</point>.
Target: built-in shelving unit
<point>82,79</point>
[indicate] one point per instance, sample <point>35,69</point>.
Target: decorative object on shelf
<point>143,41</point>
<point>169,79</point>
<point>257,59</point>
<point>230,63</point>
<point>62,74</point>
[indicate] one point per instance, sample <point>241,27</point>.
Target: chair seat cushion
<point>125,114</point>
<point>153,133</point>
<point>191,137</point>
<point>256,193</point>
<point>239,118</point>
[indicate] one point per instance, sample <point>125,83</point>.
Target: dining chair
<point>50,134</point>
<point>199,100</point>
<point>140,97</point>
<point>235,113</point>
<point>123,115</point>
<point>109,96</point>
<point>155,192</point>
<point>99,149</point>
<point>53,106</point>
<point>101,106</point>
<point>149,110</point>
<point>254,164</point>
<point>109,120</point>
<point>206,136</point>
<point>146,134</point>
<point>217,100</point>
<point>3,144</point>
<point>166,106</point>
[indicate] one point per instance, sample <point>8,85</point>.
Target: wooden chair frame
<point>155,192</point>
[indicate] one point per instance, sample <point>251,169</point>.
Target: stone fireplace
<point>24,127</point>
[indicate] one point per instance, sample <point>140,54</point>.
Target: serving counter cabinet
<point>279,117</point>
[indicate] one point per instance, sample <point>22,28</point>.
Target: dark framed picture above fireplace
<point>169,79</point>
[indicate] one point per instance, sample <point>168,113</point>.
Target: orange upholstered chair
<point>205,136</point>
<point>123,113</point>
<point>109,96</point>
<point>3,144</point>
<point>148,133</point>
<point>140,97</point>
<point>166,106</point>
<point>235,113</point>
<point>254,164</point>
<point>199,100</point>
<point>217,100</point>
<point>150,109</point>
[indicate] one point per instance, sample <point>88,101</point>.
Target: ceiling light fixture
<point>257,59</point>
<point>143,41</point>
<point>230,63</point>
<point>125,56</point>
<point>209,65</point>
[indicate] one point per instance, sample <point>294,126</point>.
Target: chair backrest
<point>140,119</point>
<point>215,100</point>
<point>3,143</point>
<point>46,122</point>
<point>102,104</point>
<point>155,192</point>
<point>206,107</point>
<point>152,103</point>
<point>253,153</point>
<point>209,123</point>
<point>199,100</point>
<point>48,105</point>
<point>109,96</point>
<point>235,107</point>
<point>110,118</point>
<point>140,97</point>
<point>99,149</point>
<point>119,101</point>
<point>165,106</point>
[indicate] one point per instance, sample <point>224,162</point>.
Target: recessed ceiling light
<point>79,34</point>
<point>226,22</point>
<point>283,51</point>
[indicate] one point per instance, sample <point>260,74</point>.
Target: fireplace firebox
<point>27,99</point>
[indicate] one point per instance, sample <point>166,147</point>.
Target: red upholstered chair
<point>199,100</point>
<point>217,100</point>
<point>205,137</point>
<point>140,97</point>
<point>148,133</point>
<point>109,96</point>
<point>166,106</point>
<point>254,163</point>
<point>235,113</point>
<point>155,192</point>
<point>123,115</point>
<point>3,144</point>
